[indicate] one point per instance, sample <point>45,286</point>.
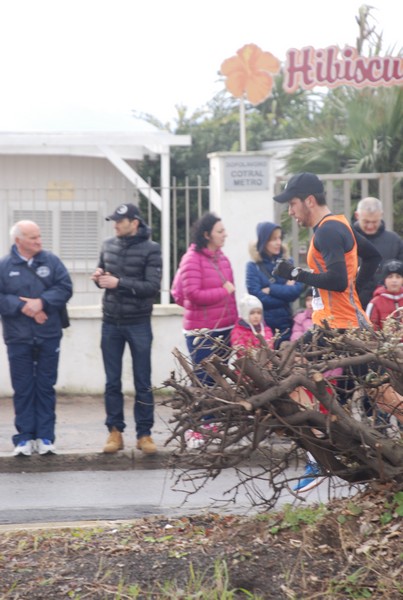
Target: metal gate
<point>74,226</point>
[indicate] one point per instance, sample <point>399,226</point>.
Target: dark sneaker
<point>45,446</point>
<point>24,448</point>
<point>313,476</point>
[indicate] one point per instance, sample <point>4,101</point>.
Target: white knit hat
<point>247,304</point>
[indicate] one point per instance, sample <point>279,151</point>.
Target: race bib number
<point>317,303</point>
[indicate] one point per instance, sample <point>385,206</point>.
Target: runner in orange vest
<point>333,273</point>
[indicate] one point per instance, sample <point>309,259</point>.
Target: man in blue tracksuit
<point>34,286</point>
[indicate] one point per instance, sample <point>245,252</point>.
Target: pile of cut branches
<point>253,402</point>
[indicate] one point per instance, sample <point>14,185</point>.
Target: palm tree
<point>358,131</point>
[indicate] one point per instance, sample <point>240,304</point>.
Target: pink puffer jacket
<point>242,336</point>
<point>199,283</point>
<point>302,322</point>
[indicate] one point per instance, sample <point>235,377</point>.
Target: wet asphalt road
<point>121,495</point>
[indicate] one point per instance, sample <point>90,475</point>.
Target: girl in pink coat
<point>204,286</point>
<point>250,326</point>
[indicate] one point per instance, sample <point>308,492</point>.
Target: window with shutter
<point>72,233</point>
<point>79,235</point>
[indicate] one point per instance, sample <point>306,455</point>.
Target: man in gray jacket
<point>129,270</point>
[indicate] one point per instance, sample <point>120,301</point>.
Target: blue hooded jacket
<point>259,275</point>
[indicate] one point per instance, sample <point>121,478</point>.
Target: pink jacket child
<point>250,324</point>
<point>198,287</point>
<point>303,319</point>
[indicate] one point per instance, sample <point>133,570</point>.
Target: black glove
<point>283,268</point>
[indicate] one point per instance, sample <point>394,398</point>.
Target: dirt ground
<point>347,549</point>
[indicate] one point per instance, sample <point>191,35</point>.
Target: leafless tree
<point>253,403</point>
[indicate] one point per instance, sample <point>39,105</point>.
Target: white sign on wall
<point>246,173</point>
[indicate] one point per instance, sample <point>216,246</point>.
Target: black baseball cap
<point>125,211</point>
<point>301,184</point>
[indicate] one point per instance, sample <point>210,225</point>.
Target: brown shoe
<point>146,445</point>
<point>114,441</point>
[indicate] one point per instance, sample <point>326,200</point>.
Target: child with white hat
<point>250,326</point>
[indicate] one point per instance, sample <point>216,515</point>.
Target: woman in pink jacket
<point>204,286</point>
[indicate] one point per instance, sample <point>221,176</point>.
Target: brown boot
<point>114,441</point>
<point>146,445</point>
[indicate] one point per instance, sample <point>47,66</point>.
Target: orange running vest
<point>341,310</point>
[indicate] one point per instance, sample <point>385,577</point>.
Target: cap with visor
<point>125,211</point>
<point>300,185</point>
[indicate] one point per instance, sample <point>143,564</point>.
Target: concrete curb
<point>81,435</point>
<point>122,461</point>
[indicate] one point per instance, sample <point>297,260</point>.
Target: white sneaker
<point>196,439</point>
<point>45,446</point>
<point>24,448</point>
<point>193,439</point>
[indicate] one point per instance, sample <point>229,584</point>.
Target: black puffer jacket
<point>389,245</point>
<point>137,262</point>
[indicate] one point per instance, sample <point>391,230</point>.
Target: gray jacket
<point>389,245</point>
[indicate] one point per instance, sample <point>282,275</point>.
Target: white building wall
<point>45,189</point>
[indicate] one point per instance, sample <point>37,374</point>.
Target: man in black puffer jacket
<point>369,223</point>
<point>129,270</point>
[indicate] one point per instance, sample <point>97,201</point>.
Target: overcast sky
<point>62,60</point>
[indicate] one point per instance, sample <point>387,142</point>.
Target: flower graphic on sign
<point>249,73</point>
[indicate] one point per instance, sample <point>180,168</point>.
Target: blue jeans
<point>33,370</point>
<point>200,348</point>
<point>139,338</point>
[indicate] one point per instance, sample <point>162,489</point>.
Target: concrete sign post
<point>241,193</point>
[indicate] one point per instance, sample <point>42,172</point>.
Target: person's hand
<point>108,281</point>
<point>283,269</point>
<point>266,290</point>
<point>229,287</point>
<point>41,317</point>
<point>31,307</point>
<point>96,274</point>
